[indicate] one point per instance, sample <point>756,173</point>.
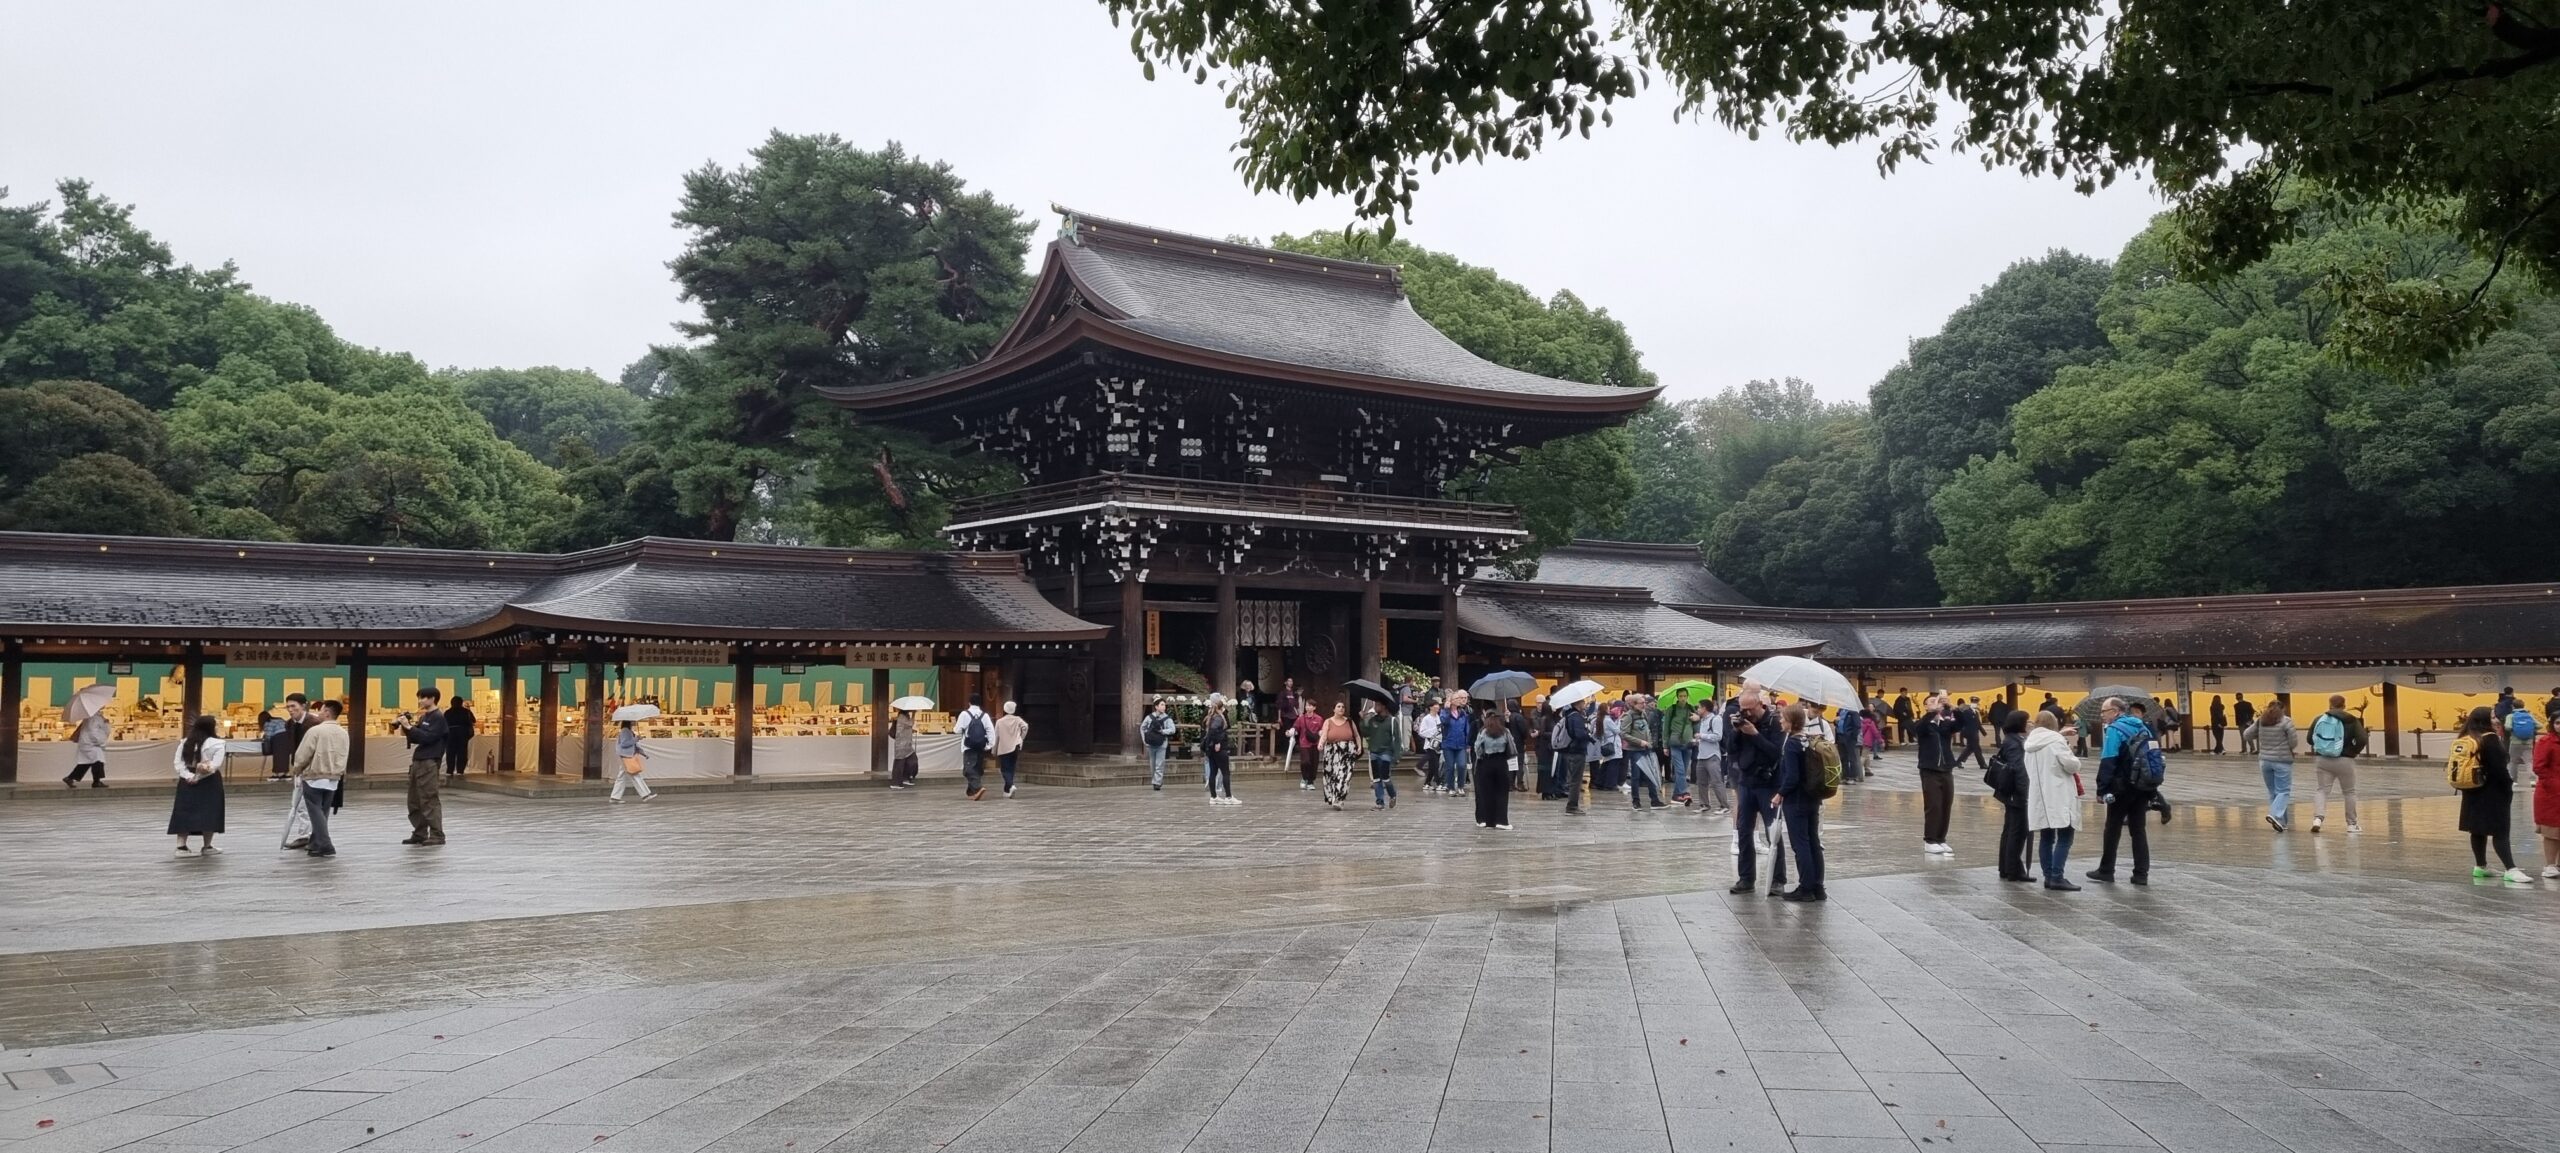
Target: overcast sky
<point>488,184</point>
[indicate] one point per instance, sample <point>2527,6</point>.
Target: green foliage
<point>2385,103</point>
<point>1950,398</point>
<point>1393,672</point>
<point>540,409</point>
<point>1807,531</point>
<point>1674,498</point>
<point>99,492</point>
<point>1576,486</point>
<point>820,265</point>
<point>2225,448</point>
<point>46,423</point>
<point>1177,674</point>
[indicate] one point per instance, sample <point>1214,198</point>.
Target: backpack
<point>1153,733</point>
<point>975,740</point>
<point>2520,724</point>
<point>2144,767</point>
<point>1557,738</point>
<point>2462,769</point>
<point>1822,768</point>
<point>2329,736</point>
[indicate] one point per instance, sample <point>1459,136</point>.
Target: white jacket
<point>2053,801</point>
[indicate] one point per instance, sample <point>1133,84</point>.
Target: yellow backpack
<point>2462,771</point>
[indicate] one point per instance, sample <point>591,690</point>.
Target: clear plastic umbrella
<point>86,702</point>
<point>640,712</point>
<point>1574,694</point>
<point>1807,678</point>
<point>912,704</point>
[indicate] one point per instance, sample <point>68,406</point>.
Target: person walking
<point>1155,734</point>
<point>2487,806</point>
<point>1457,743</point>
<point>2122,745</point>
<point>631,763</point>
<point>2053,799</point>
<point>319,772</point>
<point>1291,705</point>
<point>425,731</point>
<point>2337,739</point>
<point>1384,736</point>
<point>1341,751</point>
<point>1426,739</point>
<point>1707,764</point>
<point>1308,731</point>
<point>1011,731</point>
<point>2244,715</point>
<point>2215,718</point>
<point>196,810</point>
<point>89,751</point>
<point>2272,735</point>
<point>2173,725</point>
<point>1679,740</point>
<point>1217,752</point>
<point>1937,731</point>
<point>977,734</point>
<point>2546,792</point>
<point>902,749</point>
<point>460,724</point>
<point>2007,778</point>
<point>1968,738</point>
<point>1801,807</point>
<point>1494,746</point>
<point>1753,744</point>
<point>2519,729</point>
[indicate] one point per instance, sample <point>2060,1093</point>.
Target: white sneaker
<point>1737,849</point>
<point>2518,877</point>
<point>2551,870</point>
<point>210,851</point>
<point>613,800</point>
<point>2354,828</point>
<point>648,796</point>
<point>1505,827</point>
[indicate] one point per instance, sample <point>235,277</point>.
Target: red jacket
<point>2546,781</point>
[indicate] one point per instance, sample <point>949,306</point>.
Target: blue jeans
<point>2279,787</point>
<point>1155,763</point>
<point>1679,757</point>
<point>1804,835</point>
<point>1382,778</point>
<point>1453,767</point>
<point>2053,849</point>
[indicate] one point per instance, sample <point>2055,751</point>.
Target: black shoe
<point>1739,888</point>
<point>330,853</point>
<point>2062,886</point>
<point>2140,879</point>
<point>1159,788</point>
<point>414,841</point>
<point>2095,875</point>
<point>97,784</point>
<point>2015,877</point>
<point>70,782</point>
<point>1806,898</point>
<point>1573,812</point>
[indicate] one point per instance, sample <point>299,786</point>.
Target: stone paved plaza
<point>1114,969</point>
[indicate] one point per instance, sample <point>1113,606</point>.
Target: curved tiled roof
<point>1551,620</point>
<point>1249,311</point>
<point>1673,573</point>
<point>85,586</point>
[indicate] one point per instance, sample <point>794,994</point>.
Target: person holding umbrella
<point>1384,736</point>
<point>902,740</point>
<point>87,713</point>
<point>1679,735</point>
<point>1495,745</point>
<point>630,757</point>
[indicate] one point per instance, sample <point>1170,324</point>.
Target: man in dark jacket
<point>1969,734</point>
<point>1902,717</point>
<point>2215,718</point>
<point>2243,715</point>
<point>1937,734</point>
<point>1801,810</point>
<point>1752,743</point>
<point>426,733</point>
<point>298,719</point>
<point>2125,801</point>
<point>460,725</point>
<point>1580,737</point>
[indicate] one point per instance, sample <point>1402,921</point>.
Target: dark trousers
<point>902,771</point>
<point>1005,763</point>
<point>2013,840</point>
<point>1973,751</point>
<point>1569,780</point>
<point>1493,791</point>
<point>2127,814</point>
<point>1804,834</point>
<point>426,799</point>
<point>1937,800</point>
<point>97,770</point>
<point>1756,805</point>
<point>2217,738</point>
<point>457,754</point>
<point>315,803</point>
<point>973,769</point>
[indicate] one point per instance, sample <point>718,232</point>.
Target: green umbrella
<point>1700,692</point>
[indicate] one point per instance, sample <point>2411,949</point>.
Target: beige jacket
<point>1011,730</point>
<point>323,753</point>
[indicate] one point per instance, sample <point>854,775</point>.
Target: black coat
<point>2491,807</point>
<point>2007,776</point>
<point>1937,752</point>
<point>1753,756</point>
<point>460,722</point>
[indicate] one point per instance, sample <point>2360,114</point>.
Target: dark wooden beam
<point>879,722</point>
<point>1133,660</point>
<point>742,720</point>
<point>591,741</point>
<point>1449,641</point>
<point>359,699</point>
<point>1222,640</point>
<point>13,692</point>
<point>509,689</point>
<point>546,753</point>
<point>1373,652</point>
<point>191,670</point>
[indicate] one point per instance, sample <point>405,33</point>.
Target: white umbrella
<point>1574,694</point>
<point>1802,677</point>
<point>912,704</point>
<point>640,712</point>
<point>86,702</point>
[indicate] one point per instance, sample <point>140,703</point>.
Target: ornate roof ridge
<point>1085,228</point>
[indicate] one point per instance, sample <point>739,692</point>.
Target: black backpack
<point>975,740</point>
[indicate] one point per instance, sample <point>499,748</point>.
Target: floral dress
<point>1341,752</point>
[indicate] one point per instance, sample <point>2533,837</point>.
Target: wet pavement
<point>1122,970</point>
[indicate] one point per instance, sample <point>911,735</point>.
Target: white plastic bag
<point>297,821</point>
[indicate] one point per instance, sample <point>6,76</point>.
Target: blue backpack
<point>2521,726</point>
<point>2145,767</point>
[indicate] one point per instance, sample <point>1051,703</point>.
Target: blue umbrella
<point>1503,686</point>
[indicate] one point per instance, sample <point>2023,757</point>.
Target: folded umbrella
<point>1507,685</point>
<point>639,712</point>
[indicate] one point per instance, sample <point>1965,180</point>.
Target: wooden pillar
<point>2390,720</point>
<point>880,721</point>
<point>2012,696</point>
<point>591,742</point>
<point>742,722</point>
<point>546,754</point>
<point>359,701</point>
<point>191,670</point>
<point>1372,615</point>
<point>509,688</point>
<point>1449,640</point>
<point>13,689</point>
<point>1222,640</point>
<point>1133,661</point>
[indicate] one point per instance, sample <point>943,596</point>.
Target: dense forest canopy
<point>2080,428</point>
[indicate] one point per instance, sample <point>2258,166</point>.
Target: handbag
<point>635,765</point>
<point>2078,789</point>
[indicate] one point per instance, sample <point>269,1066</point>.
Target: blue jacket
<point>1577,731</point>
<point>2128,732</point>
<point>1791,773</point>
<point>1457,729</point>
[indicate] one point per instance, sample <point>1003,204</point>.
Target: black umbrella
<point>1371,690</point>
<point>2087,711</point>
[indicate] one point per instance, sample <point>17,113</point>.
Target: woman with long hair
<point>2486,810</point>
<point>1340,751</point>
<point>1494,749</point>
<point>1215,754</point>
<point>197,809</point>
<point>2272,735</point>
